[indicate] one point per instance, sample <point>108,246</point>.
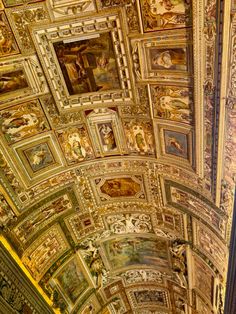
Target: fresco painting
<point>127,251</point>
<point>22,121</point>
<point>139,136</point>
<point>118,187</point>
<point>8,44</point>
<point>107,136</point>
<point>12,81</point>
<point>76,144</point>
<point>174,59</point>
<point>172,103</point>
<point>88,65</point>
<point>176,143</point>
<point>164,14</point>
<point>39,157</point>
<point>72,280</point>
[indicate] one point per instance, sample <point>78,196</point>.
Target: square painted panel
<point>176,143</point>
<point>39,156</point>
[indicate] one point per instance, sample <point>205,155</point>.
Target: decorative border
<point>45,37</point>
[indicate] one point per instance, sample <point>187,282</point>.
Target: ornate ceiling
<point>116,162</point>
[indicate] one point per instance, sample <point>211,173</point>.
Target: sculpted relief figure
<point>177,251</point>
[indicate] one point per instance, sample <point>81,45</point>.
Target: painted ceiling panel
<point>114,194</point>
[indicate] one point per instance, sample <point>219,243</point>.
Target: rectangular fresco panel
<point>8,44</point>
<point>172,103</point>
<point>174,59</point>
<point>72,280</point>
<point>128,251</point>
<point>120,187</point>
<point>176,143</point>
<point>76,144</point>
<point>22,121</point>
<point>12,81</point>
<point>139,135</point>
<point>88,65</point>
<point>164,14</point>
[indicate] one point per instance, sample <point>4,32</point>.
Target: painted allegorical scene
<point>41,217</point>
<point>176,143</point>
<point>11,81</point>
<point>139,135</point>
<point>127,251</point>
<point>107,137</point>
<point>22,121</point>
<point>172,103</point>
<point>72,280</point>
<point>76,144</point>
<point>164,14</point>
<point>118,187</point>
<point>174,59</point>
<point>39,157</point>
<point>8,44</point>
<point>88,65</point>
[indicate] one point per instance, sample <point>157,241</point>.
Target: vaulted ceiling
<point>116,152</point>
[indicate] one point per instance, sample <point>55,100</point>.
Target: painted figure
<point>22,121</point>
<point>176,143</point>
<point>172,58</point>
<point>139,136</point>
<point>107,137</point>
<point>39,156</point>
<point>172,102</point>
<point>7,43</point>
<point>75,144</point>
